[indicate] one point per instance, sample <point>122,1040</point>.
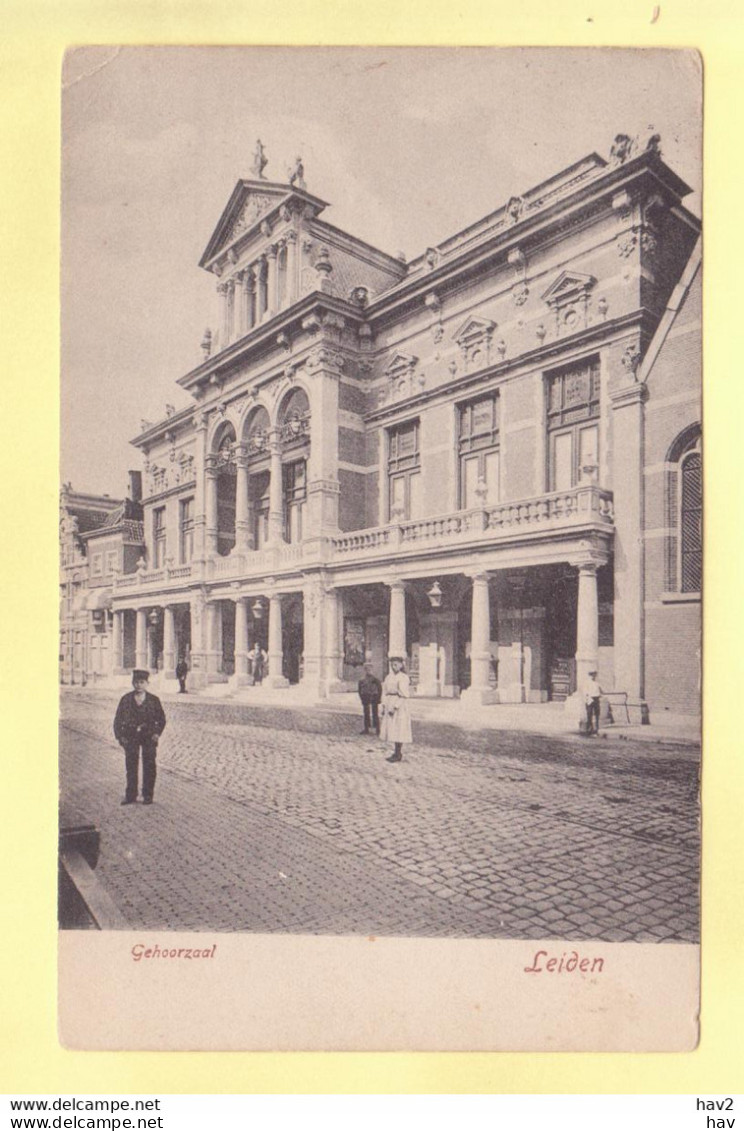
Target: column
<point>397,623</point>
<point>251,296</point>
<point>292,274</point>
<point>199,641</point>
<point>271,281</point>
<point>211,507</point>
<point>169,642</point>
<point>261,270</point>
<point>214,640</point>
<point>333,642</point>
<point>230,328</point>
<point>587,624</point>
<point>276,655</point>
<point>224,314</point>
<point>117,658</point>
<point>480,644</point>
<point>239,306</point>
<point>241,641</point>
<point>242,513</point>
<point>276,493</point>
<point>140,640</point>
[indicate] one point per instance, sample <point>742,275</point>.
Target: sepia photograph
<point>380,520</point>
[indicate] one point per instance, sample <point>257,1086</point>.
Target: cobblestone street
<point>276,819</point>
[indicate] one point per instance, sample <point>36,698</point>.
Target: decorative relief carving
<point>520,293</point>
<point>626,244</point>
<point>329,360</point>
<point>568,298</point>
<point>514,209</point>
<point>631,359</point>
<point>474,339</point>
<point>255,204</point>
<point>434,304</point>
<point>431,258</point>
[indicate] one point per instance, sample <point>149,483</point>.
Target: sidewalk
<point>532,718</point>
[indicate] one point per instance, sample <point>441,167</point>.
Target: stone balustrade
<point>555,512</point>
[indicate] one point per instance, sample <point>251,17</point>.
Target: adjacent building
<point>486,459</point>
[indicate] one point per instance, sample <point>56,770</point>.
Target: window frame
<point>403,468</point>
<point>478,445</point>
<point>186,530</point>
<point>159,537</point>
<point>570,416</point>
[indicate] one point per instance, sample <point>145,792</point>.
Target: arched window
<point>294,430</point>
<point>684,509</point>
<point>257,443</point>
<point>224,448</point>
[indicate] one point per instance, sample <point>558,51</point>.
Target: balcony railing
<point>557,512</point>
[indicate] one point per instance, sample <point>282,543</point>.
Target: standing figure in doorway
<point>138,725</point>
<point>182,670</point>
<point>258,663</point>
<point>396,725</point>
<point>370,693</point>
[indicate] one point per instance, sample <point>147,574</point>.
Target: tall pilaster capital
<point>291,236</point>
<point>272,251</point>
<point>221,288</point>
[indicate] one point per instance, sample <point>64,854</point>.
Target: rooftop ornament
<point>260,161</point>
<point>297,174</point>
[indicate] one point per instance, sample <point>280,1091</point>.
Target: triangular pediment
<point>474,328</point>
<point>401,363</point>
<point>568,285</point>
<point>251,204</point>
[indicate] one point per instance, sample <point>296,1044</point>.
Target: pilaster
<point>627,396</point>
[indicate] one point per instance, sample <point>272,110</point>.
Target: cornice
<point>603,334</point>
<point>531,229</point>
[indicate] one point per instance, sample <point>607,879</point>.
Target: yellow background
<point>34,36</point>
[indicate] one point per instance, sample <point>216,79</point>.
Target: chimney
<point>135,486</point>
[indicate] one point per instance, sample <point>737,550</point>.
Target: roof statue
<point>260,161</point>
<point>622,149</point>
<point>297,175</point>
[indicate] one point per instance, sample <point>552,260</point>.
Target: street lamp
<point>257,609</point>
<point>435,595</point>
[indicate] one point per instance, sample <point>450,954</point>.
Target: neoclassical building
<point>486,459</point>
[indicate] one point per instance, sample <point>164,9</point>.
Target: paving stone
<point>473,835</point>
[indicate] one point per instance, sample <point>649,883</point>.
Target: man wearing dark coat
<point>138,724</point>
<point>370,693</point>
<point>182,670</point>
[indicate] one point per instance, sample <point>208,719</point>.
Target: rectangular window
<point>404,467</point>
<point>573,410</point>
<point>158,531</point>
<point>96,567</point>
<point>112,560</point>
<point>295,492</point>
<point>186,531</point>
<point>478,445</point>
